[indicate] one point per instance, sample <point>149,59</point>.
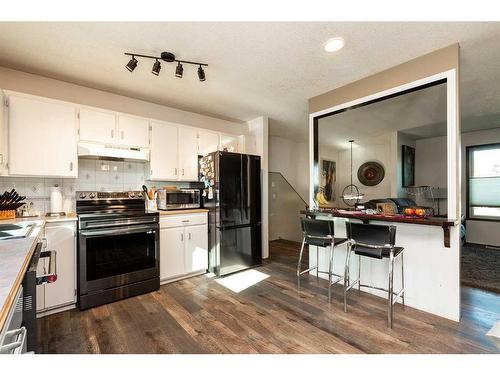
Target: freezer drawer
<point>238,249</point>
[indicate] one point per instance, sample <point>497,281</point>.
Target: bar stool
<point>377,242</point>
<point>319,233</point>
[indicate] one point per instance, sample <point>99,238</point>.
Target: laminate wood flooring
<point>198,315</point>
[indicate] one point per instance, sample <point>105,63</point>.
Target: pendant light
<point>351,194</point>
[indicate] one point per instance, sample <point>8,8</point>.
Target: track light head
<point>156,68</point>
<point>131,65</point>
<point>201,74</point>
<point>179,70</point>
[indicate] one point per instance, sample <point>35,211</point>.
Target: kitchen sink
<point>12,231</point>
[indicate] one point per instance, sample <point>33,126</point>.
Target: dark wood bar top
<point>435,221</point>
<point>366,218</point>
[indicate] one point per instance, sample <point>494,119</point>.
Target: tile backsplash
<point>100,175</point>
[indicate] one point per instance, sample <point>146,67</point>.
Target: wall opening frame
<point>452,128</point>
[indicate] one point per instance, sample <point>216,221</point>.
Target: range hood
<point>90,150</point>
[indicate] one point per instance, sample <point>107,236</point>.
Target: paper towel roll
<point>55,199</point>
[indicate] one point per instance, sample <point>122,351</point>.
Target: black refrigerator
<point>232,194</point>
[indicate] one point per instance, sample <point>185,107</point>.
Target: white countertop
<point>15,255</point>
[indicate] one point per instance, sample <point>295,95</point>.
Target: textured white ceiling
<point>420,114</point>
<point>255,68</point>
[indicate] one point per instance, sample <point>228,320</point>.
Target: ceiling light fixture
<point>167,57</point>
<point>334,44</point>
<point>156,68</point>
<point>351,194</point>
<point>179,70</point>
<point>201,74</point>
<point>131,64</point>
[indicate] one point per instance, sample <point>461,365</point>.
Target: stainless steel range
<point>118,247</point>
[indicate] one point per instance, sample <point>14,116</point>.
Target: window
<point>483,163</point>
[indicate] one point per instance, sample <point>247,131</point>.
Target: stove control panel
<point>107,195</point>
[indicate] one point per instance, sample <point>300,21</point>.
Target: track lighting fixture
<point>179,70</point>
<point>201,74</point>
<point>166,57</point>
<point>156,68</point>
<point>131,64</point>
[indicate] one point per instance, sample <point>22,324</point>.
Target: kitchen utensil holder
<point>151,205</point>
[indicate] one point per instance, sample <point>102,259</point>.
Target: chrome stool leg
<point>346,275</point>
<point>402,279</point>
<point>330,271</point>
<point>390,296</point>
<point>317,264</point>
<point>359,273</point>
<point>300,263</point>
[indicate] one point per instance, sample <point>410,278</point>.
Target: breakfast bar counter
<point>397,218</point>
<point>431,265</point>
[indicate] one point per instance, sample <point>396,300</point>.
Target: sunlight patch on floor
<point>242,280</point>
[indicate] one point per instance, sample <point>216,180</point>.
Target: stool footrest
<point>353,284</point>
<point>309,269</point>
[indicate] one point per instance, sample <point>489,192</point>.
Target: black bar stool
<point>377,242</point>
<point>319,233</point>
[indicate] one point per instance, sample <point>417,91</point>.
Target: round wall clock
<point>371,173</point>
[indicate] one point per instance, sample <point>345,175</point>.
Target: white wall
<point>377,152</point>
<point>291,159</point>
<point>430,169</point>
<point>51,88</point>
<point>259,129</point>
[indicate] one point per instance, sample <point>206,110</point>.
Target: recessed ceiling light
<point>334,44</point>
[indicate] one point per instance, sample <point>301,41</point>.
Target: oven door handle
<point>115,231</point>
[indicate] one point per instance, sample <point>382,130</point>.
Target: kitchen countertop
<point>15,255</point>
<point>183,212</point>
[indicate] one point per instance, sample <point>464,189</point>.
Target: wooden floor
<point>199,315</point>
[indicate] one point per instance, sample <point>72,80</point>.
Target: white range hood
<point>102,151</point>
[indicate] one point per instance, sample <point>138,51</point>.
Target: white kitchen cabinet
<point>133,131</point>
<point>171,252</point>
<point>183,246</point>
<point>196,253</point>
<point>60,237</point>
<point>207,142</point>
<point>97,126</point>
<point>188,154</point>
<point>42,137</point>
<point>229,143</point>
<point>164,158</point>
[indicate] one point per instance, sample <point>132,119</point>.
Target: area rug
<point>481,267</point>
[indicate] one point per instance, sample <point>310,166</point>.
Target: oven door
<point>111,257</point>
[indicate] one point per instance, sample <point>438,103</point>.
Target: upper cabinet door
<point>97,126</point>
<point>188,154</point>
<point>164,149</point>
<point>42,138</point>
<point>133,131</point>
<point>207,142</point>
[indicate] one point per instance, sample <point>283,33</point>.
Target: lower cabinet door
<point>61,238</point>
<point>171,252</point>
<point>196,256</point>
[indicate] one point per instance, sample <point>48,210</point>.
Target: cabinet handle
<point>175,171</point>
<point>185,221</point>
<point>183,171</point>
<point>112,133</point>
<point>123,134</point>
<point>182,237</point>
<point>189,237</point>
<point>71,166</point>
